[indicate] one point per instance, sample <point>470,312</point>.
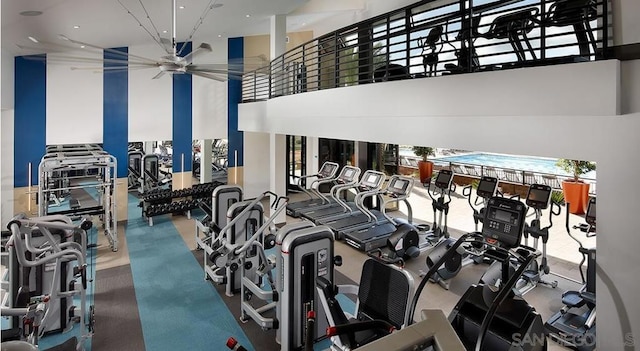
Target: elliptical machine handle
<point>566,223</point>
<point>466,191</point>
<point>554,213</point>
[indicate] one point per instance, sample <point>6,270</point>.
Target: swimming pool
<point>525,163</point>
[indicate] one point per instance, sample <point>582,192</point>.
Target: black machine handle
<point>502,295</point>
<point>448,254</point>
<point>468,237</point>
<point>554,213</point>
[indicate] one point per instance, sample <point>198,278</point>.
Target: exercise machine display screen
<point>399,186</point>
<point>443,181</point>
<point>538,196</point>
<point>372,179</point>
<point>487,187</point>
<point>590,217</point>
<point>504,221</point>
<point>348,174</point>
<point>327,170</point>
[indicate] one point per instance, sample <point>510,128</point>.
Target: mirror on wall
<point>149,166</point>
<point>218,149</point>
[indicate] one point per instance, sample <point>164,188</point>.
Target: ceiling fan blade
<point>204,47</point>
<point>200,68</point>
<point>160,74</point>
<point>111,51</point>
<point>207,75</point>
<point>111,69</point>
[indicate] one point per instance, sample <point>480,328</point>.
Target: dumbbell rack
<point>182,201</point>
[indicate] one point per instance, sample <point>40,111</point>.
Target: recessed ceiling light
<point>76,27</point>
<point>181,7</point>
<point>164,31</point>
<point>31,13</point>
<point>82,46</point>
<point>33,39</point>
<point>219,35</point>
<point>304,23</point>
<point>247,16</point>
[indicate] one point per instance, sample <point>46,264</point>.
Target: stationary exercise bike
<point>575,324</point>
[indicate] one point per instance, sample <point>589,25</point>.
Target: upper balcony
<point>430,39</point>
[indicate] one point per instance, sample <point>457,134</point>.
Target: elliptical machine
<point>443,188</point>
<point>575,324</point>
<point>468,253</point>
<point>538,198</point>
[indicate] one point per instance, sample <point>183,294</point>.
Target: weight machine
<point>68,169</point>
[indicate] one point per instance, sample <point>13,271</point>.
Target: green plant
<point>557,197</point>
<point>350,63</point>
<point>424,151</point>
<point>576,167</point>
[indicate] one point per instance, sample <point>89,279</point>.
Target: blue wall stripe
<point>182,116</point>
<point>30,114</point>
<point>115,109</point>
<point>234,97</point>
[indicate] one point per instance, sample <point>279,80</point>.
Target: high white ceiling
<point>107,23</point>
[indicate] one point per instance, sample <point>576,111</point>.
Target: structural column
<point>277,142</point>
<point>206,156</point>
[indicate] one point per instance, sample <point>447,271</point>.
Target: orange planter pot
<point>577,194</point>
<point>426,170</point>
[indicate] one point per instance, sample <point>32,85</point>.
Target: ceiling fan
<point>173,62</point>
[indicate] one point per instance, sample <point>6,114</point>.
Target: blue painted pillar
<point>182,117</point>
<point>115,110</point>
<point>30,115</point>
<point>234,97</point>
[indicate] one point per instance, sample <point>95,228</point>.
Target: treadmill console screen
<point>399,186</point>
<point>590,217</point>
<point>327,170</point>
<point>504,221</point>
<point>487,187</point>
<point>539,196</point>
<point>349,173</point>
<point>372,180</point>
<point>443,181</point>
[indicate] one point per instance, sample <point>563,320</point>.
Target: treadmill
<point>369,185</point>
<point>326,174</point>
<point>347,179</point>
<point>374,234</point>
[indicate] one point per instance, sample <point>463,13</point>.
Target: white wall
<point>626,28</point>
<point>6,170</point>
<point>74,99</point>
<point>150,100</point>
<point>561,111</point>
<point>256,166</point>
<point>210,97</point>
<point>6,90</point>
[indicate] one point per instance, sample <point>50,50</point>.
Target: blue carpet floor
<point>178,309</point>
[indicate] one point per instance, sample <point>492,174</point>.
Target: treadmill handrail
<point>375,190</point>
<point>335,191</point>
<point>320,180</point>
<point>397,198</point>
